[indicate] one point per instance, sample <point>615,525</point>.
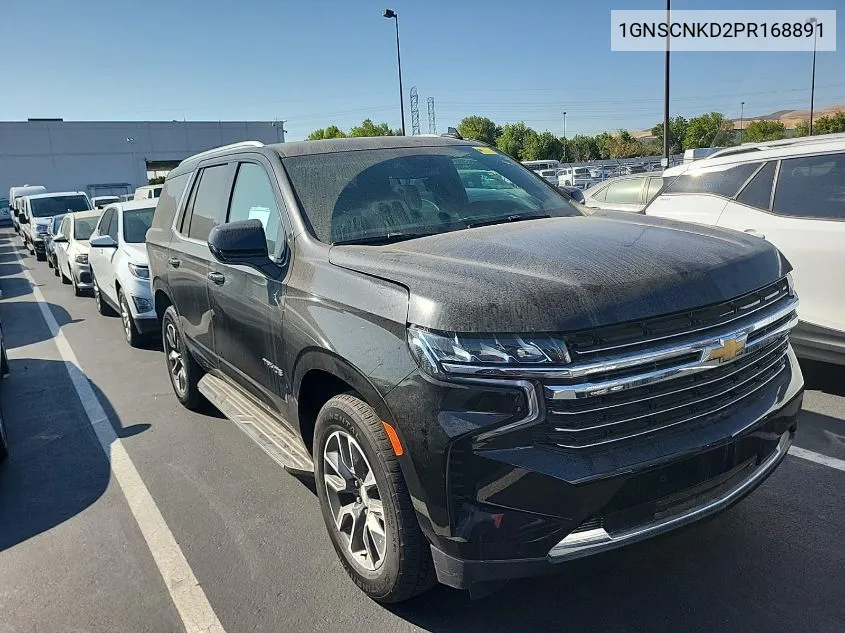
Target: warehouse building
<point>111,157</point>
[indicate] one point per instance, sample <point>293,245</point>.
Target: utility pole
<point>741,119</point>
<point>564,136</point>
<point>665,160</point>
<point>391,14</point>
<point>813,21</point>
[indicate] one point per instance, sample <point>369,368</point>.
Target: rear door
<point>625,194</point>
<point>804,217</point>
<point>97,256</point>
<point>188,256</point>
<point>248,306</point>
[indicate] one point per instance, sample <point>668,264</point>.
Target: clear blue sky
<point>319,62</point>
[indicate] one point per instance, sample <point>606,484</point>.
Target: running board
<point>274,438</point>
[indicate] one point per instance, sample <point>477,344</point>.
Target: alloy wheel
<point>126,318</point>
<point>97,298</point>
<point>354,500</point>
<point>175,360</point>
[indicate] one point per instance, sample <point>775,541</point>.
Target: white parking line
<point>187,594</point>
<point>825,460</point>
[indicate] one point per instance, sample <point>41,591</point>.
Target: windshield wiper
<point>382,239</point>
<point>508,218</point>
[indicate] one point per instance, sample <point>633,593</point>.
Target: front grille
<point>677,379</point>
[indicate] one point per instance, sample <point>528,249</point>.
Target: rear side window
<point>168,202</point>
<point>812,187</point>
<point>625,191</point>
<point>654,185</point>
<point>210,201</point>
<point>758,192</point>
<point>722,180</point>
<point>113,222</point>
<point>600,195</point>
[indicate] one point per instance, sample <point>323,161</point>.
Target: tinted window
<point>47,207</point>
<point>83,227</point>
<point>57,222</point>
<point>210,202</point>
<point>348,196</point>
<point>722,180</point>
<point>654,185</point>
<point>103,226</point>
<point>812,187</point>
<point>625,191</point>
<point>112,227</point>
<point>253,199</point>
<point>135,224</point>
<point>600,195</point>
<point>168,202</point>
<point>758,192</point>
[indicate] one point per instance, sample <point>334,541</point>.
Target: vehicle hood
<point>566,274</point>
<point>136,253</point>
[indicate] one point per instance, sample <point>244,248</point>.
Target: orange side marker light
<point>394,439</point>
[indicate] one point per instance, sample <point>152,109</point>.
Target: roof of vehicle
<point>784,142</point>
<point>304,148</point>
<point>93,213</point>
<point>131,205</point>
<point>643,174</point>
<point>55,194</point>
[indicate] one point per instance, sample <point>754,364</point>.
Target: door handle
<point>217,278</point>
<point>755,233</point>
<point>174,261</point>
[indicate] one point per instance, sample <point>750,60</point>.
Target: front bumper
<point>139,296</point>
<point>82,275</point>
<point>494,512</point>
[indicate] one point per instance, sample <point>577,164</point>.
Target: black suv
<point>484,381</point>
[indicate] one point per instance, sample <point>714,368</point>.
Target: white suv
<point>792,194</point>
<point>120,269</point>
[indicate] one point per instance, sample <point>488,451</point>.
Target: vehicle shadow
<point>56,466</point>
<point>23,323</point>
<point>825,377</point>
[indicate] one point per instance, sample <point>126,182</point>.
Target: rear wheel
<point>133,336</point>
<point>366,505</point>
<point>183,370</point>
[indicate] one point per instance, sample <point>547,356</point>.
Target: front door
<point>188,258</point>
<point>248,306</point>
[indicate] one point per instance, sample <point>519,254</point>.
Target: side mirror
<point>23,219</point>
<point>244,243</point>
<point>103,241</point>
<point>59,239</point>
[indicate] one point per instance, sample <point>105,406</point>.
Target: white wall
<point>71,155</point>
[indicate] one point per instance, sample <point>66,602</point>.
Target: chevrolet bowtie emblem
<point>728,350</point>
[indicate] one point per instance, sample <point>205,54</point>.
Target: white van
<point>540,165</point>
<point>14,205</point>
<point>147,192</point>
<point>580,177</point>
<point>793,195</point>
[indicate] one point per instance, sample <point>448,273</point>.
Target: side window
<point>758,192</point>
<point>625,191</point>
<point>253,199</point>
<point>168,202</point>
<point>210,201</point>
<point>113,226</point>
<point>811,187</point>
<point>64,229</point>
<point>600,195</point>
<point>654,185</point>
<point>103,224</point>
<point>721,180</point>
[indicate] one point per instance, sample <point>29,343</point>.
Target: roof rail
<point>214,150</point>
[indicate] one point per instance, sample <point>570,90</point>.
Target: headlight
<point>440,353</point>
<point>141,272</point>
<point>41,229</point>
<point>82,258</point>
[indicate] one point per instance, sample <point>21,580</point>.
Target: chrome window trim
<point>577,370</point>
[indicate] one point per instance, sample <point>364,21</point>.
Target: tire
<point>102,307</point>
<point>133,336</point>
<point>405,567</point>
<point>49,262</point>
<point>76,291</point>
<point>185,388</point>
<point>56,267</point>
<point>65,278</point>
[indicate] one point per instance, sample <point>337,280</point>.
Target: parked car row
<point>483,381</point>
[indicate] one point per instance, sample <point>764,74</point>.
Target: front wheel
<point>184,371</point>
<point>366,504</point>
<point>133,336</point>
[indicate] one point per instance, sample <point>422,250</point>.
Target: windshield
<point>136,223</point>
<point>157,191</point>
<point>348,196</point>
<point>102,201</point>
<point>83,227</point>
<point>582,171</point>
<point>48,207</point>
<point>57,221</point>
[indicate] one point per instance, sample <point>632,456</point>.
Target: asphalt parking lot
<point>77,552</point>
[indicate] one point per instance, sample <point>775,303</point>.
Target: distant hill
<point>790,119</point>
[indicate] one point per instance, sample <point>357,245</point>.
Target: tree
<point>513,138</point>
<point>330,132</point>
<point>582,148</point>
<point>830,124</point>
<point>677,130</point>
<point>802,128</point>
<point>545,146</point>
<point>758,131</point>
<point>368,128</point>
<point>479,128</point>
<point>158,180</point>
<point>604,143</point>
<point>623,145</point>
<point>709,130</point>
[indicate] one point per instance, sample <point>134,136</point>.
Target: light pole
<point>564,137</point>
<point>665,160</point>
<point>391,14</point>
<point>741,118</point>
<point>813,21</point>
